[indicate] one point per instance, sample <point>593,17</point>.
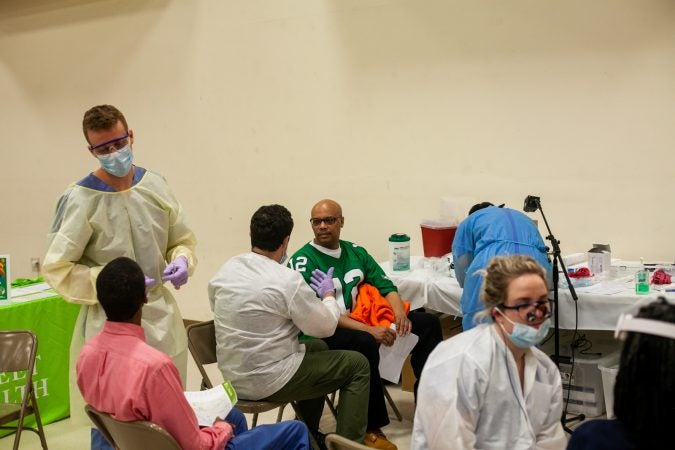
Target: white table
<point>425,287</point>
<point>600,305</point>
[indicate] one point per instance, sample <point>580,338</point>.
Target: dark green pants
<point>321,372</point>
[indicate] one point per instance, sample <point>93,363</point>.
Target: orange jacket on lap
<point>373,309</point>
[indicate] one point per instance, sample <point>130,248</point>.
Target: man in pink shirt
<point>118,373</point>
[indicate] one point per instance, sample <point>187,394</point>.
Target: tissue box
<point>599,259</point>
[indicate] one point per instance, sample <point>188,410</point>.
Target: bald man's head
<point>330,205</point>
<point>327,221</point>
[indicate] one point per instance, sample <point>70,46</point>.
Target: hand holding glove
<point>177,272</point>
<point>322,283</point>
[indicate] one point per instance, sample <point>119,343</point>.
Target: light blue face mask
<point>525,336</point>
<point>117,163</point>
<point>283,259</point>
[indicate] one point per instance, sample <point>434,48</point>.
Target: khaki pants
<point>322,372</point>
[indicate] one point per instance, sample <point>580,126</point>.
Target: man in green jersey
<point>354,266</point>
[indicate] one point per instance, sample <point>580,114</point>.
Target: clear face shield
<point>646,326</point>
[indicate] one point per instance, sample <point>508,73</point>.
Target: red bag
<point>661,277</point>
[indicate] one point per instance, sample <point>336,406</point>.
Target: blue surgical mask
<point>117,163</point>
<point>525,336</point>
<point>283,259</point>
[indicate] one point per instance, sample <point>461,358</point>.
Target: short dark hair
<point>644,393</point>
<point>120,288</point>
<point>270,225</point>
<point>479,206</point>
<point>102,117</point>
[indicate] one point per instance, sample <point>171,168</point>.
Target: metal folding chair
<point>337,442</point>
<point>202,345</point>
<point>17,352</point>
<point>136,435</point>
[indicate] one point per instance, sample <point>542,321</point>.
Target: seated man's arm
<point>403,325</point>
<point>375,275</point>
<point>313,317</point>
<point>180,420</point>
<point>382,335</point>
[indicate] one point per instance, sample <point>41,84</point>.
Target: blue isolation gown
<point>487,233</point>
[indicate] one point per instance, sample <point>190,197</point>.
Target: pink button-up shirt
<point>118,373</point>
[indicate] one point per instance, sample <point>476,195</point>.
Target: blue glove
<point>322,283</point>
<point>149,282</point>
<point>177,272</point>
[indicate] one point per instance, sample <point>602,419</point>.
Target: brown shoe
<point>377,439</point>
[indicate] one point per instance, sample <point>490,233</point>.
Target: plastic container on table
<point>399,252</point>
<point>437,238</point>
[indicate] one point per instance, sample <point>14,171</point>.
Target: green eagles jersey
<point>353,267</point>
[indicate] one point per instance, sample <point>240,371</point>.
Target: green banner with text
<point>52,320</point>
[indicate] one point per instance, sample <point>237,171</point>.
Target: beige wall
<point>384,105</point>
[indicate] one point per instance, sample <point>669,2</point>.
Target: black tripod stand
<point>532,204</point>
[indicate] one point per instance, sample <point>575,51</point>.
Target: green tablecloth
<point>52,320</point>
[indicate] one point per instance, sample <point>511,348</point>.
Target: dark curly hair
<point>644,393</point>
<point>270,225</point>
<point>120,288</point>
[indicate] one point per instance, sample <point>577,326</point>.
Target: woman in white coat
<point>489,387</point>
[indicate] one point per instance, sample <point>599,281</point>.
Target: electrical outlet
<point>35,265</point>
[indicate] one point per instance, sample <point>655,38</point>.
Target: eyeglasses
<point>316,221</point>
<point>528,311</point>
<point>110,147</point>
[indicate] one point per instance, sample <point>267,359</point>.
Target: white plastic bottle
<point>399,252</point>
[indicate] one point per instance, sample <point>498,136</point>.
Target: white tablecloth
<point>599,311</point>
<point>425,287</point>
<point>600,305</point>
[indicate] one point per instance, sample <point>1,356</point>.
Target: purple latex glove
<point>322,283</point>
<point>149,282</point>
<point>177,272</point>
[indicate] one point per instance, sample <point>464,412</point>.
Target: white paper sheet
<point>212,403</point>
<point>31,289</point>
<point>392,358</point>
<point>606,288</point>
<point>32,292</point>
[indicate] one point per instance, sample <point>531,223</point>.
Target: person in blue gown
<point>487,232</point>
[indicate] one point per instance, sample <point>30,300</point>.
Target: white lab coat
<point>260,307</point>
<point>470,397</point>
<point>91,228</point>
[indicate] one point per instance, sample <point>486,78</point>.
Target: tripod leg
<point>565,420</point>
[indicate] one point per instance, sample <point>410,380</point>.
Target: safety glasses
<point>316,221</point>
<point>110,147</point>
<point>528,311</point>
